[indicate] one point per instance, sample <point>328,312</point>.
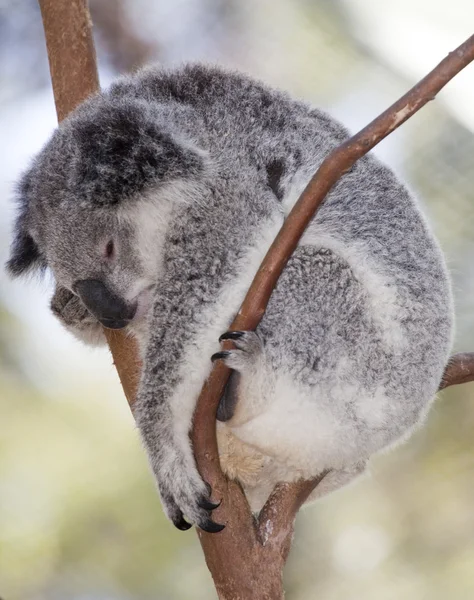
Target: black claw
<point>181,524</point>
<point>211,527</point>
<point>218,355</point>
<point>231,335</point>
<point>208,504</point>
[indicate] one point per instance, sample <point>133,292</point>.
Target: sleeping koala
<point>153,205</point>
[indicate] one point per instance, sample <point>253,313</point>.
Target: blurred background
<point>79,517</point>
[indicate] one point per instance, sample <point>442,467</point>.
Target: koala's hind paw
<point>248,349</point>
<point>188,498</point>
<point>72,313</point>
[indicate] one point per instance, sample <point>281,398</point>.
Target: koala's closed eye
<point>110,249</point>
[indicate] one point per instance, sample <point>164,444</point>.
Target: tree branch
<point>247,558</point>
<point>71,53</point>
<point>460,369</point>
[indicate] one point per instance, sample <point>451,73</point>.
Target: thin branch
<point>275,520</point>
<point>460,369</point>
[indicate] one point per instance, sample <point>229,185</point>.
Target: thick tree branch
<point>247,558</point>
<point>71,52</point>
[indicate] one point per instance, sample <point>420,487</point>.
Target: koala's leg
<point>75,317</point>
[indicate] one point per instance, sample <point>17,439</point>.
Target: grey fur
<point>352,347</point>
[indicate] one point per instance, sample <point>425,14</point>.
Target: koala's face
<point>96,254</point>
<point>93,208</point>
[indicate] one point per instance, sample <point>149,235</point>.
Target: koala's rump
<point>335,385</point>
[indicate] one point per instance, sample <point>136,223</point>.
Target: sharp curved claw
<point>208,504</point>
<point>231,335</point>
<point>181,524</point>
<point>219,355</point>
<point>211,527</point>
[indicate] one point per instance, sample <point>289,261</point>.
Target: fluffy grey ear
<point>120,147</point>
<point>25,255</point>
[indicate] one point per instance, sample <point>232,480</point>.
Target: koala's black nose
<point>108,308</point>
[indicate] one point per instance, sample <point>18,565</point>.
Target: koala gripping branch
<point>246,559</point>
<point>273,530</point>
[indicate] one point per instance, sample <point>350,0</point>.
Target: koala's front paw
<point>184,494</point>
<point>72,313</point>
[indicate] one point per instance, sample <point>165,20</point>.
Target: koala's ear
<point>122,146</point>
<point>25,255</point>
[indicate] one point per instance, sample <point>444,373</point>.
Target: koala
<point>153,205</point>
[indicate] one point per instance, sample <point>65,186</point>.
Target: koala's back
<point>369,225</point>
<point>369,219</point>
<point>238,116</point>
<point>248,127</point>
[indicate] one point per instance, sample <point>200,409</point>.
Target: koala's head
<point>94,205</point>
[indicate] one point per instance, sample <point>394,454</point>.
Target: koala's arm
<point>75,317</point>
<point>205,274</point>
<point>175,368</point>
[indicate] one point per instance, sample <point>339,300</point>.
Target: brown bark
<point>71,52</point>
<point>247,558</point>
<point>460,369</point>
<point>126,360</point>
